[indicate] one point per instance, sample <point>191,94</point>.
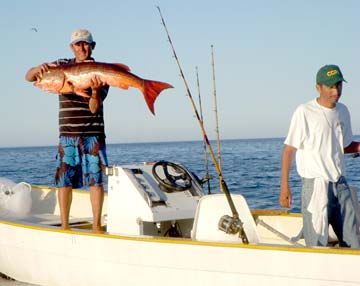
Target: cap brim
<point>81,40</point>
<point>331,83</point>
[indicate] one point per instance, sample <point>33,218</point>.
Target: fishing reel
<point>206,179</point>
<point>232,225</point>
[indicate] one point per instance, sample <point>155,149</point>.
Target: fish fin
<point>81,92</point>
<point>151,90</point>
<point>123,86</point>
<point>68,87</point>
<point>124,67</point>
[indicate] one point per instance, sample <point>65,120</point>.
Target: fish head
<point>51,81</point>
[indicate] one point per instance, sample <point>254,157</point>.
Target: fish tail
<point>151,90</point>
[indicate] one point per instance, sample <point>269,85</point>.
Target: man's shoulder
<point>306,106</point>
<point>63,61</point>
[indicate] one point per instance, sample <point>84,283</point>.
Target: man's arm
<point>97,88</point>
<point>286,161</point>
<point>34,72</point>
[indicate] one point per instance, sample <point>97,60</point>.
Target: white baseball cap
<point>81,35</point>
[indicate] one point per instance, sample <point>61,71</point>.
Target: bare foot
<point>65,227</point>
<point>98,229</point>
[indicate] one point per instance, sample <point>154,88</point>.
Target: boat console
<point>165,199</point>
<point>152,198</point>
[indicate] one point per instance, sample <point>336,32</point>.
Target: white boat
<point>164,231</point>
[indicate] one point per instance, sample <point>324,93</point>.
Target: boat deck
<point>267,224</point>
<point>49,219</point>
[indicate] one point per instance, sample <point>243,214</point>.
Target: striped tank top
<point>75,117</point>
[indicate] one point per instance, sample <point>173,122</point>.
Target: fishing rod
<point>207,177</point>
<point>216,112</point>
<point>228,224</point>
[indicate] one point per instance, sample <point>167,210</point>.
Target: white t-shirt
<point>320,134</point>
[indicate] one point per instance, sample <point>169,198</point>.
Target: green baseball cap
<point>329,75</point>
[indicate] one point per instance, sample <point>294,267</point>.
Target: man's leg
<point>310,235</point>
<point>65,198</point>
<point>97,199</point>
<point>346,218</point>
<point>94,162</point>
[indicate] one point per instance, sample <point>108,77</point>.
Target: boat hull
<point>53,257</point>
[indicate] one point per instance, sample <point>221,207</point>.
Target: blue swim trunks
<point>80,161</point>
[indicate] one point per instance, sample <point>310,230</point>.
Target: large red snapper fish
<point>76,78</point>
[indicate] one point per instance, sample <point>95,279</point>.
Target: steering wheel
<point>176,176</point>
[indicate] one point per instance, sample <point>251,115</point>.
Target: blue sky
<point>267,53</point>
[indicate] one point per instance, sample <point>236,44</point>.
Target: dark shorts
<point>80,161</point>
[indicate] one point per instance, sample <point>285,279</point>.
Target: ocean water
<point>250,167</point>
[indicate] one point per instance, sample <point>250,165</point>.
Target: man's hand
<point>285,197</point>
<point>36,73</point>
<point>96,83</point>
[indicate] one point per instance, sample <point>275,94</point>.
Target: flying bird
<point>34,29</point>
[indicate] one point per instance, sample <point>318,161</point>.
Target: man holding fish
<point>82,151</point>
<point>82,85</point>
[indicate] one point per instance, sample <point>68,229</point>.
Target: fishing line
<point>228,223</point>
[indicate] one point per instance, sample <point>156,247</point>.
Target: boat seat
<point>208,213</point>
